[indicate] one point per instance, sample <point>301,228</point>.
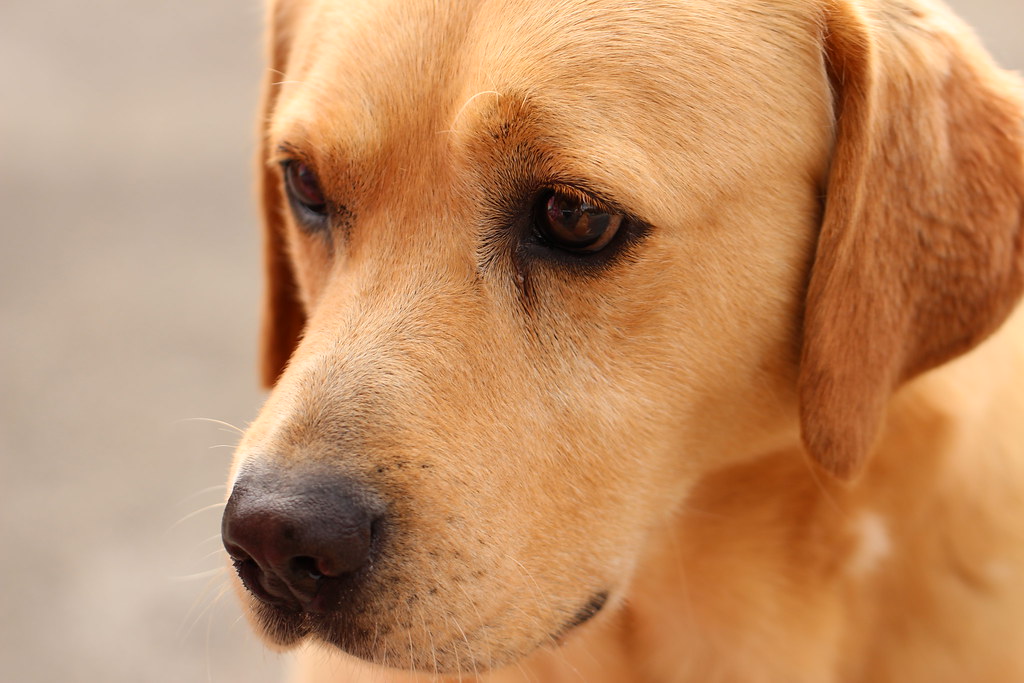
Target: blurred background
<point>129,284</point>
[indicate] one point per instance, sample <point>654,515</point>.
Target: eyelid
<point>579,195</point>
<point>578,192</point>
<point>284,154</point>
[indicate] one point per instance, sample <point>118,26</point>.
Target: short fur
<point>783,430</point>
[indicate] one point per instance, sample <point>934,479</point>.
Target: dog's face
<point>551,262</point>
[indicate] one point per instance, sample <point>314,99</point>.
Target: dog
<point>647,342</point>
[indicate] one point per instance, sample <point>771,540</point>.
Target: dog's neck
<point>775,572</point>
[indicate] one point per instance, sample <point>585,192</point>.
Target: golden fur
<point>773,431</point>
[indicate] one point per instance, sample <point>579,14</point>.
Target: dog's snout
<point>297,541</point>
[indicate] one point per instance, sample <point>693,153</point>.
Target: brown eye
<point>573,224</point>
<point>304,188</point>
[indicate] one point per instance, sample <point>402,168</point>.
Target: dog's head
<point>534,268</point>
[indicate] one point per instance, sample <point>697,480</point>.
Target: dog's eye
<point>574,224</point>
<point>304,188</point>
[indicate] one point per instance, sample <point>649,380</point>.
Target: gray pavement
<point>128,304</point>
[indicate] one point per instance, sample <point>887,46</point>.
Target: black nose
<point>296,540</point>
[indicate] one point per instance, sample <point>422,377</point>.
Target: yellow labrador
<point>660,341</point>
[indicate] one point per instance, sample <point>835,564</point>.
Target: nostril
<point>309,566</point>
<point>249,572</point>
<point>236,553</point>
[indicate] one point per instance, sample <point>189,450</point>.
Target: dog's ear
<point>920,255</point>
<point>283,314</point>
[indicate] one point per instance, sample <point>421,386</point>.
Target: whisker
<point>183,630</point>
<point>209,632</point>
<point>465,104</point>
<point>542,599</point>
<point>376,634</point>
<point>206,508</point>
<point>546,603</point>
<point>238,620</point>
<point>430,636</point>
<point>412,649</point>
<point>560,652</point>
<point>455,650</point>
<point>200,544</point>
<point>202,492</point>
<point>222,423</point>
<point>528,675</point>
<point>219,552</point>
<point>469,650</point>
<point>198,575</point>
<point>479,618</point>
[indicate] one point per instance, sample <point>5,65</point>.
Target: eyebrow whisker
<point>467,103</point>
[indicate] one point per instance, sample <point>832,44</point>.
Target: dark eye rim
<point>313,217</point>
<point>535,245</point>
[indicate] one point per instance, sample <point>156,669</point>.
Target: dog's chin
<point>283,630</point>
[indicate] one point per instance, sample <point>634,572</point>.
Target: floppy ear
<point>920,255</point>
<point>283,314</point>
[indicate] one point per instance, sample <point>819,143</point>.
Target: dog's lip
<point>585,614</point>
